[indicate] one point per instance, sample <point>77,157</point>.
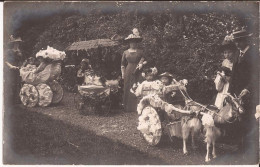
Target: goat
<point>228,115</point>
<point>190,125</point>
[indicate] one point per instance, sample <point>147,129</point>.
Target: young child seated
<point>84,66</point>
<point>170,84</point>
<point>88,76</point>
<point>167,79</point>
<point>150,85</point>
<point>29,63</point>
<point>153,91</point>
<point>43,63</point>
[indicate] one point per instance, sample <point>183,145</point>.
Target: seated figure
<point>157,92</point>
<point>150,85</point>
<point>87,75</point>
<point>48,70</point>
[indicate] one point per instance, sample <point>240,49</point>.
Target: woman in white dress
<point>223,77</point>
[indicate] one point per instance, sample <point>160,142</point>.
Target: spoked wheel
<point>29,95</point>
<point>57,91</point>
<point>106,106</point>
<point>150,126</point>
<point>78,102</point>
<point>45,95</point>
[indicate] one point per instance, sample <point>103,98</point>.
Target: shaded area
<point>34,138</point>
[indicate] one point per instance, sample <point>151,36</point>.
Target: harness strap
<point>205,107</point>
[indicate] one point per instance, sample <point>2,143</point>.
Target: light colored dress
<point>149,87</point>
<point>221,86</point>
<point>130,60</point>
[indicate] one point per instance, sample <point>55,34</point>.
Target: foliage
<point>186,45</point>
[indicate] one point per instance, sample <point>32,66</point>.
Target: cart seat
<point>50,73</point>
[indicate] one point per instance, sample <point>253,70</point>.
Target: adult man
<point>244,82</point>
<point>12,61</point>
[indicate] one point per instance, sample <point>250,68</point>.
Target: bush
<point>186,45</point>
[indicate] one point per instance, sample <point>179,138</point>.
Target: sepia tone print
<point>131,83</point>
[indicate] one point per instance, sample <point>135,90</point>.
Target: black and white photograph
<point>130,83</point>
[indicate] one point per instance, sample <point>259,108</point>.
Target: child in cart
<point>150,85</point>
<point>29,63</point>
<point>95,88</point>
<point>156,88</point>
<point>154,108</point>
<point>87,76</point>
<point>170,83</point>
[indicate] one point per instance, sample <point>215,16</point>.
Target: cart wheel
<point>150,126</point>
<point>106,106</point>
<point>78,102</point>
<point>45,95</point>
<point>57,91</point>
<point>29,95</point>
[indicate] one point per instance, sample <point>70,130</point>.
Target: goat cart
<point>159,118</point>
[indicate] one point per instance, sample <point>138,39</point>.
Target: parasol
<point>86,45</point>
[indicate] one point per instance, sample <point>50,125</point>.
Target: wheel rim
<point>107,106</point>
<point>150,126</point>
<point>57,92</point>
<point>45,95</point>
<point>29,95</point>
<point>77,101</point>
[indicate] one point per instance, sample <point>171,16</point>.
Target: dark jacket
<point>245,75</point>
<point>245,72</point>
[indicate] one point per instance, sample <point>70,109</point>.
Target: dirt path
<point>60,135</point>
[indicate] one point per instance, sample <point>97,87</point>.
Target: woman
<point>223,78</point>
<point>131,60</point>
<point>13,61</point>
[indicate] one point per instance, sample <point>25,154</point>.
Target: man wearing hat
<point>244,82</point>
<point>11,70</point>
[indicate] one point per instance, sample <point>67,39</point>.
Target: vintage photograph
<point>131,83</point>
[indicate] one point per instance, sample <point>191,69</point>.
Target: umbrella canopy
<point>85,45</point>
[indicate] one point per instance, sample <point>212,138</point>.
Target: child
<point>31,62</point>
<point>170,84</point>
<point>150,85</point>
<point>84,66</point>
<point>43,63</point>
<point>223,77</point>
<point>166,78</point>
<point>88,75</point>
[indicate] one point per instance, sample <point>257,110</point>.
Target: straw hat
<point>166,74</point>
<point>85,60</point>
<point>241,34</point>
<point>13,39</point>
<point>228,43</point>
<point>135,37</point>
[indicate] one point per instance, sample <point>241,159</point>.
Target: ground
<point>59,134</point>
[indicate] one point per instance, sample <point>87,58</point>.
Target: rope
<point>203,106</point>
